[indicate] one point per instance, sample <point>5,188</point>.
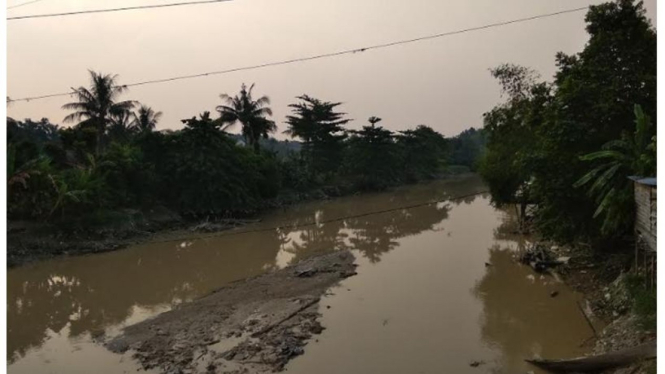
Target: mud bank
<point>30,241</point>
<point>602,281</point>
<point>255,325</point>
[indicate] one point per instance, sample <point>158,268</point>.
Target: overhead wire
<point>326,55</point>
<point>31,16</point>
<point>22,4</point>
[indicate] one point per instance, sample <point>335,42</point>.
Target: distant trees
<point>113,159</point>
<point>467,147</point>
<point>252,115</point>
<point>424,152</point>
<point>371,158</point>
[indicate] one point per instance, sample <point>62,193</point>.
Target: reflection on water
<point>517,301</point>
<point>71,300</point>
<point>450,296</point>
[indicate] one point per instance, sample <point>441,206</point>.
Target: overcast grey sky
<point>443,83</point>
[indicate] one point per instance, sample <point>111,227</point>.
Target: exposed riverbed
<point>437,289</point>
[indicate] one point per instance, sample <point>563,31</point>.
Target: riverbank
<point>35,241</point>
<point>255,325</point>
<point>615,296</point>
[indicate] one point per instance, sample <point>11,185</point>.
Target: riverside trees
<point>542,140</point>
<point>113,158</point>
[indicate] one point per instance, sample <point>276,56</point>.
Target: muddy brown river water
<point>437,289</point>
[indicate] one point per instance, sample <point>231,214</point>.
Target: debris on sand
<point>540,257</point>
<point>475,364</point>
<point>255,325</point>
<point>220,225</point>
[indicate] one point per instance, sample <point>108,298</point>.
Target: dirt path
<point>255,325</point>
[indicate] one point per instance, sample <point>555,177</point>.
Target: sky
<point>443,83</point>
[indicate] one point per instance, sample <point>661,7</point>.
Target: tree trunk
<point>615,359</point>
<point>98,146</point>
<point>100,136</point>
<point>522,217</point>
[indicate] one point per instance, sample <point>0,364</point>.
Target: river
<point>437,288</point>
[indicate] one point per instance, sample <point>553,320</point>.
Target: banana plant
<point>20,174</point>
<point>76,187</point>
<point>608,182</point>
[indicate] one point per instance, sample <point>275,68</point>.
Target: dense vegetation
<point>569,145</point>
<point>113,158</point>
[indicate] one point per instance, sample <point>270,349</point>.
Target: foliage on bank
<point>569,145</point>
<point>113,158</point>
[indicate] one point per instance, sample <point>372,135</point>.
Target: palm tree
<point>96,105</point>
<point>250,113</point>
<point>629,156</point>
<point>145,119</point>
<point>374,120</point>
<point>120,128</point>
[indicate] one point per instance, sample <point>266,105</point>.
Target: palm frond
<point>605,203</point>
<point>602,182</point>
<point>588,176</point>
<point>603,154</point>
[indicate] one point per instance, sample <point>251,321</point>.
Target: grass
<point>644,301</point>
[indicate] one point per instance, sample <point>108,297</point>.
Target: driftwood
<point>601,362</point>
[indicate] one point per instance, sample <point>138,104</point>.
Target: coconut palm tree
<point>95,105</point>
<point>629,156</point>
<point>250,113</point>
<point>145,119</point>
<point>120,128</point>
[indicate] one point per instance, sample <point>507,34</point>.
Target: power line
<point>313,223</point>
<point>22,4</point>
<point>326,55</point>
<point>113,9</point>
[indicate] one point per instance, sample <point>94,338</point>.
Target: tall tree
<point>507,165</point>
<point>594,94</point>
<point>145,119</point>
<point>94,106</point>
<point>372,156</point>
<point>250,113</point>
<point>321,129</point>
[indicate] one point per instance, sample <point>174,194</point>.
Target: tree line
<point>568,146</point>
<point>112,158</point>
